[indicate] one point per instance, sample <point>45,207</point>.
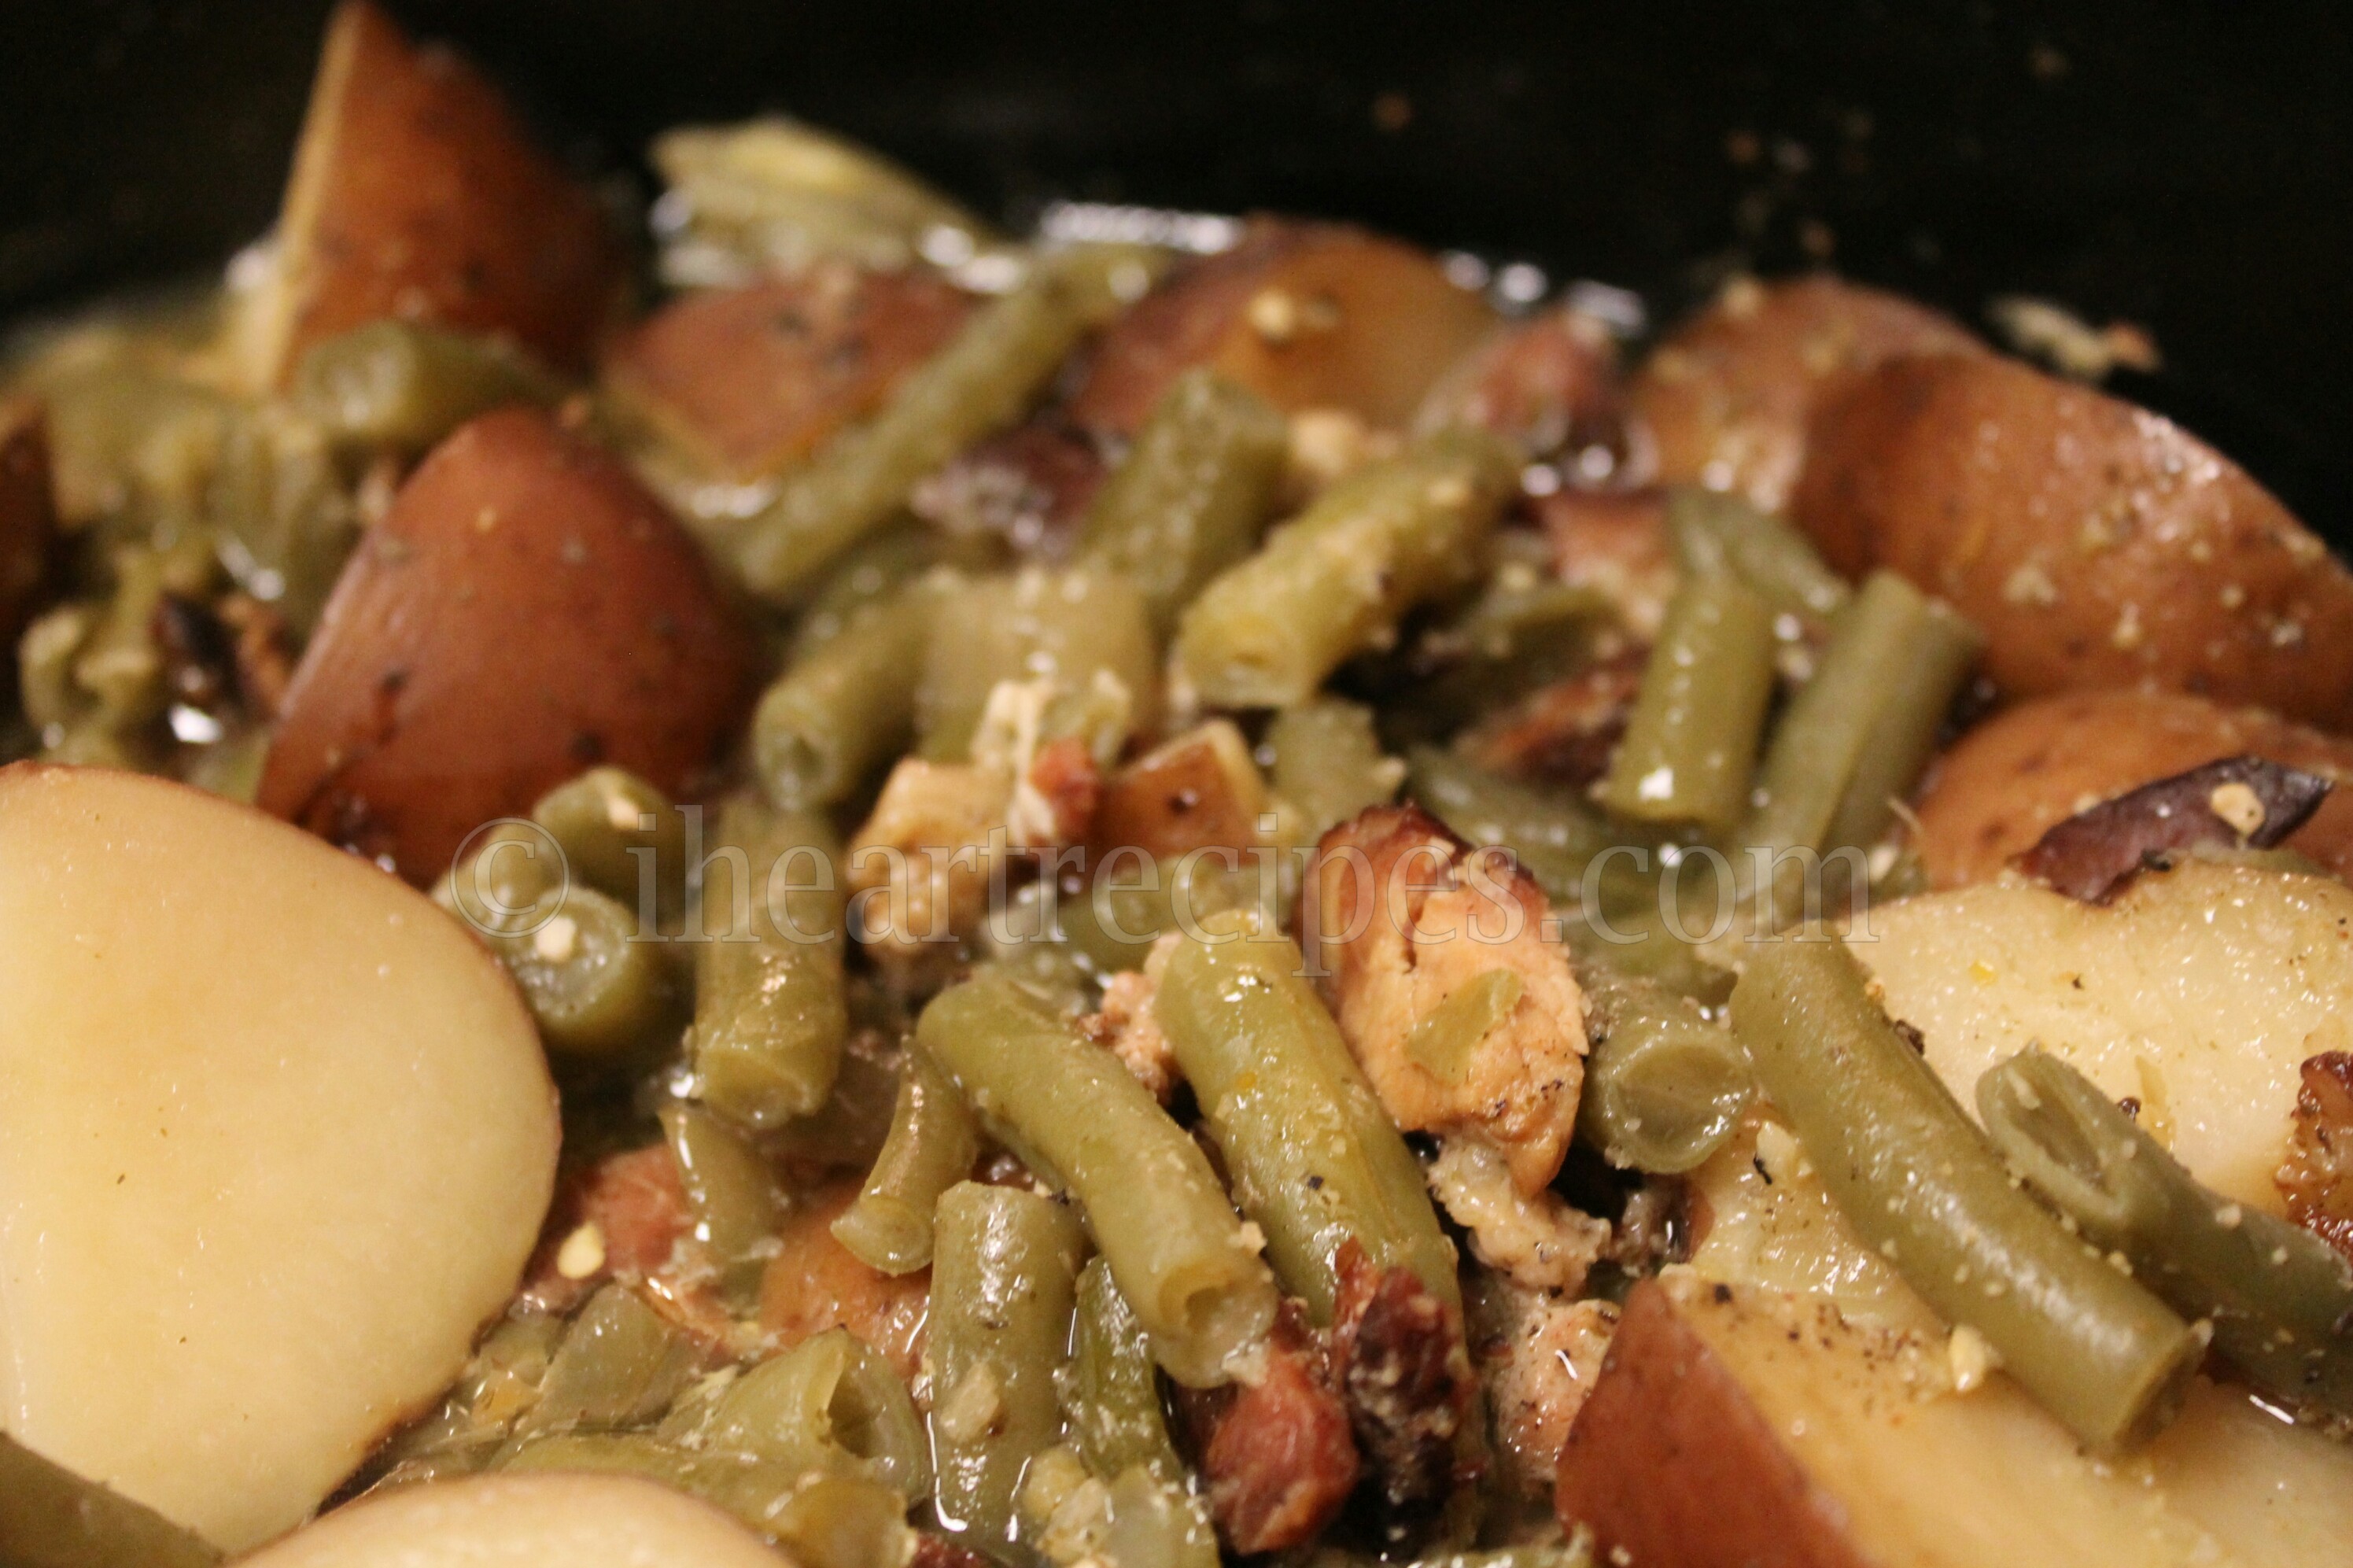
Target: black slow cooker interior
<point>2185,166</point>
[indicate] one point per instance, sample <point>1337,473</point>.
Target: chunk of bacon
<point>1405,1373</point>
<point>1277,1453</point>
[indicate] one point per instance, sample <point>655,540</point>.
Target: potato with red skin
<point>1200,790</point>
<point>415,194</point>
<point>29,521</point>
<point>2094,543</point>
<point>1548,382</point>
<point>2009,779</point>
<point>814,1283</point>
<point>1307,315</point>
<point>523,611</point>
<point>1728,397</point>
<point>750,380</point>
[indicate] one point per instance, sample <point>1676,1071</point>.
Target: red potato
<point>1307,315</point>
<point>1198,790</point>
<point>814,1283</point>
<point>2009,779</point>
<point>749,380</point>
<point>415,194</point>
<point>1734,1427</point>
<point>523,611</point>
<point>27,513</point>
<point>1549,384</point>
<point>2097,544</point>
<point>1727,399</point>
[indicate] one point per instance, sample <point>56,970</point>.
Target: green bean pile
<point>969,1132</point>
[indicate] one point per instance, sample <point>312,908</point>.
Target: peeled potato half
<point>276,1137</point>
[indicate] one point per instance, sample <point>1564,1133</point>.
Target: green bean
<point>872,574</point>
<point>622,837</point>
<point>1133,1520</point>
<point>1189,498</point>
<point>405,385</point>
<point>1917,1180</point>
<point>1111,1390</point>
<point>619,1365</point>
<point>1328,762</point>
<point>830,1405</point>
<point>1113,921</point>
<point>1664,1084</point>
<point>2280,1299</point>
<point>1716,532</point>
<point>1313,1158</point>
<point>732,1188</point>
<point>597,985</point>
<point>845,706</point>
<point>770,1015</point>
<point>931,1146</point>
<point>980,383</point>
<point>843,1521</point>
<point>1919,694</point>
<point>1554,833</point>
<point>511,884</point>
<point>1335,581</point>
<point>1691,741</point>
<point>230,766</point>
<point>848,1131</point>
<point>502,1380</point>
<point>55,1518</point>
<point>1075,628</point>
<point>1003,1281</point>
<point>1154,1206</point>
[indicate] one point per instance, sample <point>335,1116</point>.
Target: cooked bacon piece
<point>1276,1453</point>
<point>1127,1027</point>
<point>2239,800</point>
<point>1405,1372</point>
<point>814,1283</point>
<point>1056,800</point>
<point>1028,486</point>
<point>1563,733</point>
<point>2316,1178</point>
<point>1616,545</point>
<point>1404,918</point>
<point>637,1203</point>
<point>1549,384</point>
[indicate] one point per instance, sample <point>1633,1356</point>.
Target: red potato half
<point>2096,543</point>
<point>2013,776</point>
<point>276,1138</point>
<point>525,611</point>
<point>1733,1427</point>
<point>749,380</point>
<point>28,514</point>
<point>1307,315</point>
<point>1727,399</point>
<point>415,194</point>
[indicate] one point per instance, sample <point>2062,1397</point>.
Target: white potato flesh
<point>276,1137</point>
<point>523,1522</point>
<point>2200,993</point>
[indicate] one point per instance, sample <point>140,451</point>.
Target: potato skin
<point>27,517</point>
<point>1727,399</point>
<point>1305,314</point>
<point>523,611</point>
<point>2009,778</point>
<point>750,380</point>
<point>1670,1462</point>
<point>415,194</point>
<point>2096,543</point>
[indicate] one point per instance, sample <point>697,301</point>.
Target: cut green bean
<point>55,1518</point>
<point>845,706</point>
<point>1664,1084</point>
<point>933,1143</point>
<point>622,837</point>
<point>619,1365</point>
<point>843,1521</point>
<point>1154,1206</point>
<point>980,383</point>
<point>1189,498</point>
<point>770,1014</point>
<point>405,385</point>
<point>1003,1283</point>
<point>1111,1390</point>
<point>874,572</point>
<point>1077,629</point>
<point>2279,1298</point>
<point>848,1131</point>
<point>1328,762</point>
<point>830,1405</point>
<point>1555,834</point>
<point>1714,531</point>
<point>1918,1181</point>
<point>1691,741</point>
<point>1337,579</point>
<point>1919,695</point>
<point>1314,1159</point>
<point>732,1188</point>
<point>1113,921</point>
<point>597,985</point>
